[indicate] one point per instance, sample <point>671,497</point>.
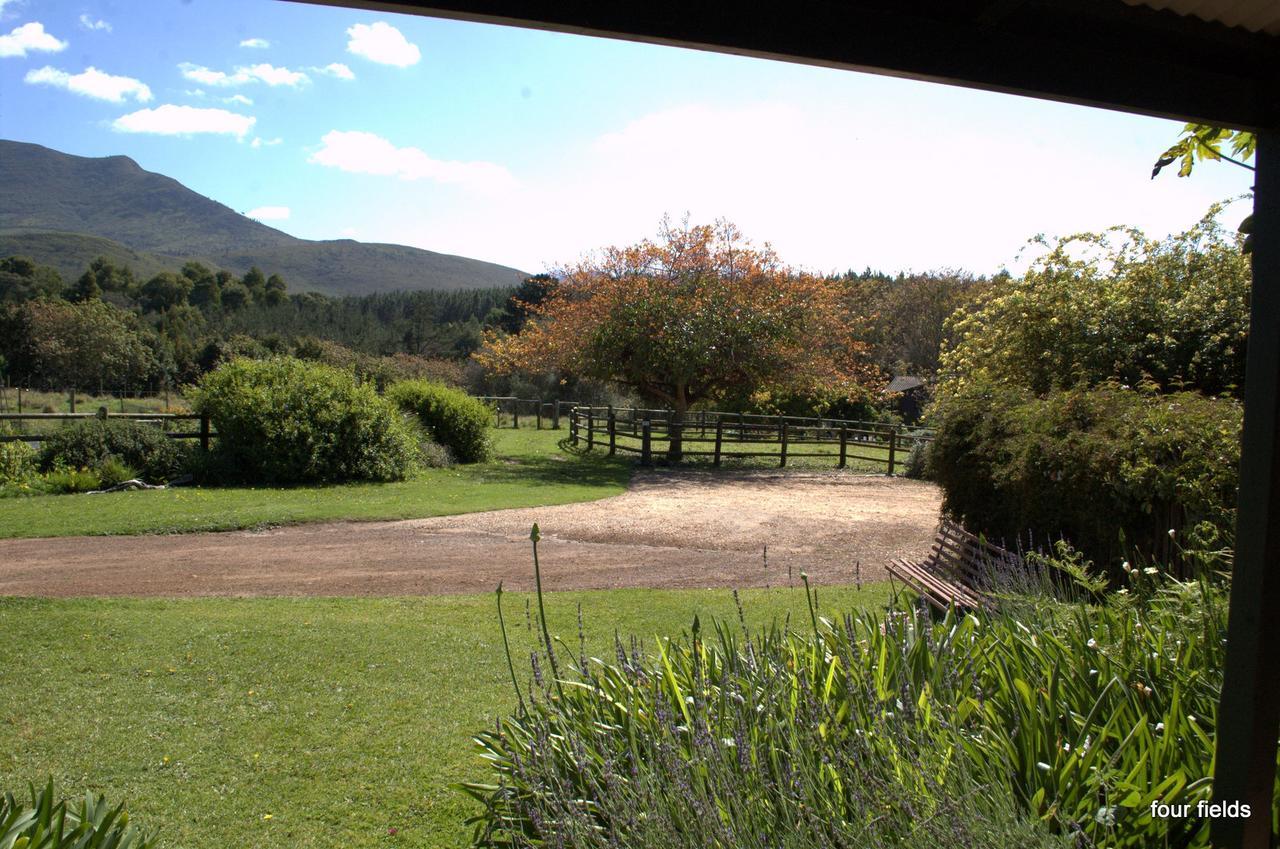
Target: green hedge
<point>287,421</point>
<point>1112,469</point>
<point>91,443</point>
<point>453,418</point>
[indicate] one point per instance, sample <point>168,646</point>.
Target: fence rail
<point>720,435</point>
<point>534,408</point>
<point>204,433</point>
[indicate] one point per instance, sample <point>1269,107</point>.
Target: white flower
<point>1151,570</point>
<point>1159,727</point>
<point>1171,533</point>
<point>1093,644</point>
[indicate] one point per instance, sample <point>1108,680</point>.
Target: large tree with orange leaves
<point>692,315</point>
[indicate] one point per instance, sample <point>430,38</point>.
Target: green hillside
<point>64,210</point>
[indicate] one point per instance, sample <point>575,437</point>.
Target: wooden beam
<point>1092,52</point>
<point>1249,713</point>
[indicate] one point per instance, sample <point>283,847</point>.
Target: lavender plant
<point>1039,726</point>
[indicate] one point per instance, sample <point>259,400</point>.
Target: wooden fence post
<point>741,426</point>
<point>537,411</point>
<point>73,399</point>
<point>719,437</point>
<point>555,414</point>
<point>515,413</point>
<point>893,447</point>
<point>613,432</point>
<point>646,455</point>
<point>591,428</point>
<point>204,431</point>
<point>573,425</point>
<point>783,435</point>
<point>844,444</point>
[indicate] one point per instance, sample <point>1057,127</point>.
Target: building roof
<point>905,383</point>
<point>1253,15</point>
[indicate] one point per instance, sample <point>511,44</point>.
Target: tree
<point>255,282</point>
<point>88,344</point>
<point>235,296</point>
<point>165,291</point>
<point>276,291</point>
<point>689,317</point>
<point>22,280</point>
<point>1118,306</point>
<point>103,276</point>
<point>1202,142</point>
<point>531,292</point>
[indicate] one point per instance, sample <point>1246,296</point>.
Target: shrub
<point>1112,469</point>
<point>452,418</point>
<point>46,824</point>
<point>17,460</point>
<point>287,421</point>
<point>63,481</point>
<point>90,443</point>
<point>111,472</point>
<point>877,731</point>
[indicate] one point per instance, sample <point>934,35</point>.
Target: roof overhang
<point>1103,53</point>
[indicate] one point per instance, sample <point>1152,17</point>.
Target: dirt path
<point>668,530</point>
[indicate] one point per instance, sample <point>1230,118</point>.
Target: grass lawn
<point>530,470</point>
<point>298,722</point>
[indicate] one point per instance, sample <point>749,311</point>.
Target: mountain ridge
<point>57,207</point>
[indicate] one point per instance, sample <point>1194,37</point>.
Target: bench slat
<point>957,567</point>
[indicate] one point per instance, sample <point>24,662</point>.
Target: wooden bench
<point>959,571</point>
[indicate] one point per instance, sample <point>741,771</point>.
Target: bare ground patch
<point>670,529</point>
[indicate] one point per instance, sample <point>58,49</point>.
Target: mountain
<point>65,210</point>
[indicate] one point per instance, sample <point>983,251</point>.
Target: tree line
<point>110,330</point>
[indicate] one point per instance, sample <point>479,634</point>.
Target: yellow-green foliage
<point>452,417</point>
<point>1112,305</point>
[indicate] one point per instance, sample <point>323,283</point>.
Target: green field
<point>298,722</point>
<point>529,469</point>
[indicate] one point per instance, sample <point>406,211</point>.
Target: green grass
<point>339,718</point>
<point>530,470</point>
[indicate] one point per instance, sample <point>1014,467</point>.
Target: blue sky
<point>530,148</point>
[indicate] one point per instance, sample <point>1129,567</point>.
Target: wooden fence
<point>203,432</point>
<point>720,436</point>
<point>531,408</point>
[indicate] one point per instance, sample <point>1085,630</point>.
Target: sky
<point>531,148</point>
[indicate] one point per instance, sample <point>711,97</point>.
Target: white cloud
<point>258,43</point>
<point>336,69</point>
<point>170,120</point>
<point>269,213</point>
<point>264,73</point>
<point>27,38</point>
<point>260,142</point>
<point>365,153</point>
<point>90,24</point>
<point>92,83</point>
<point>382,43</point>
<point>238,98</point>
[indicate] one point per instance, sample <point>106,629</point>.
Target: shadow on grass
<point>570,466</point>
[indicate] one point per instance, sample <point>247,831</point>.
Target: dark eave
<point>1093,52</point>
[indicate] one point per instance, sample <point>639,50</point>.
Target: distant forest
<point>108,330</point>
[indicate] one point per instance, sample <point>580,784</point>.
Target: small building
<point>908,397</point>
